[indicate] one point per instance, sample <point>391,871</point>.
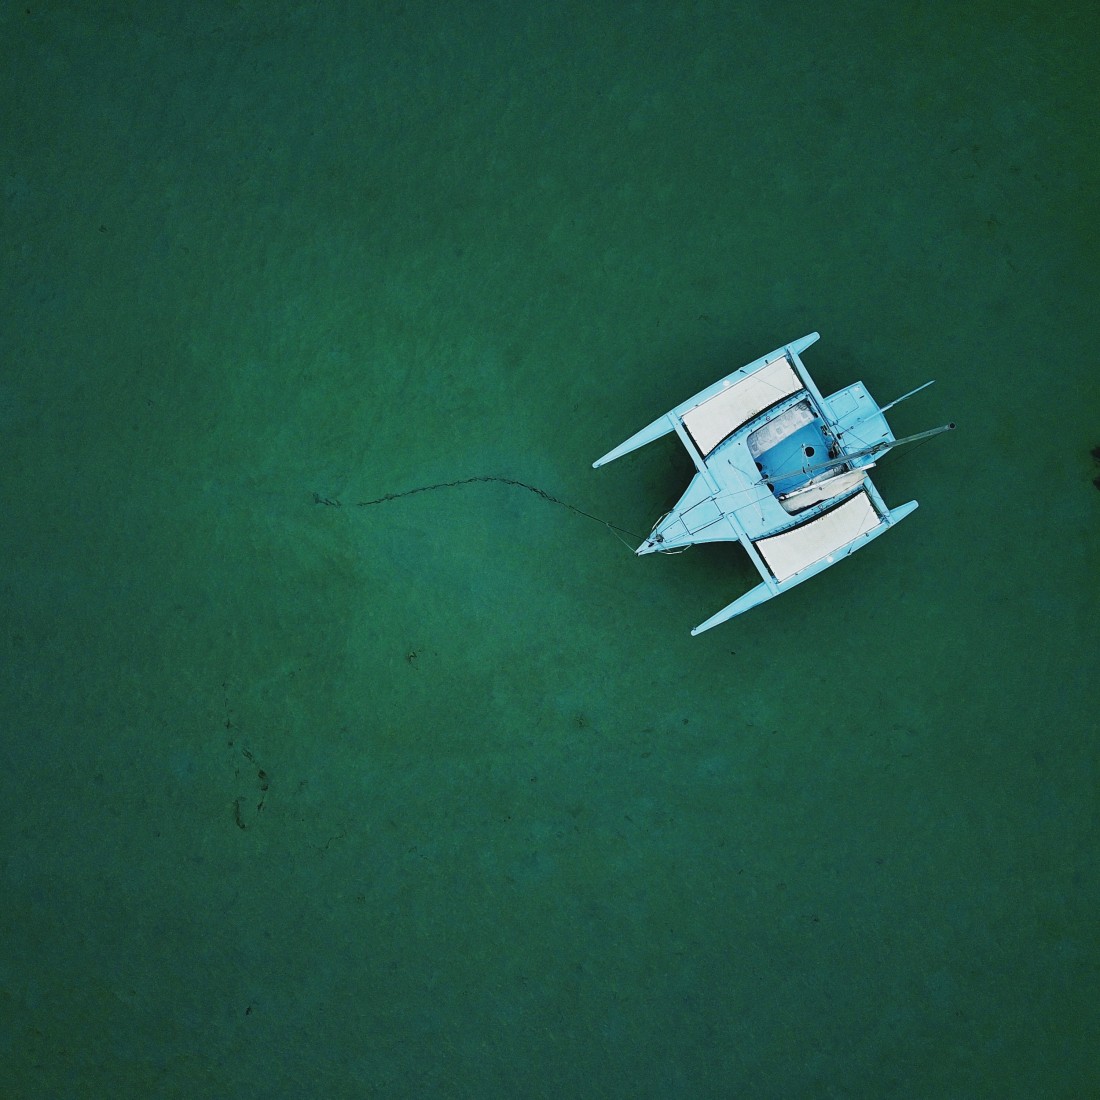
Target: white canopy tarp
<point>714,419</point>
<point>790,551</point>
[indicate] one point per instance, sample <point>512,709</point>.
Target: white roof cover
<point>790,551</point>
<point>712,420</point>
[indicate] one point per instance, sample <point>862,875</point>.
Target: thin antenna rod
<point>899,400</point>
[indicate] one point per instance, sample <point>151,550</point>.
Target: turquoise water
<point>438,798</point>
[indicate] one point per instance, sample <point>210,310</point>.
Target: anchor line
<point>550,498</point>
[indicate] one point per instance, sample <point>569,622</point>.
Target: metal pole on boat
<point>924,435</point>
<point>875,449</point>
<point>899,400</point>
<point>890,444</point>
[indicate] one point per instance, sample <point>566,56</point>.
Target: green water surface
<point>438,797</point>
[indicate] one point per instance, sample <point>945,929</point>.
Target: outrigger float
<point>780,469</point>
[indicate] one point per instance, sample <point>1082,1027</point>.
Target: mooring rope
<point>333,503</point>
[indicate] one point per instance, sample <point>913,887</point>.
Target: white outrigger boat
<point>780,469</point>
